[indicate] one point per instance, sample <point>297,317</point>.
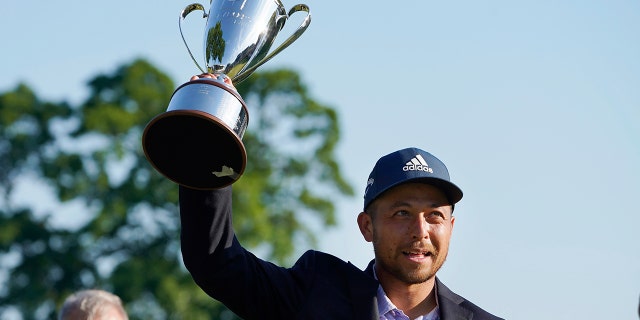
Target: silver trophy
<point>197,142</point>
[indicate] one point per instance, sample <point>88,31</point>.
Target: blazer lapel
<point>449,304</point>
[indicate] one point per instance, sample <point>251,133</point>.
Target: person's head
<point>408,215</point>
<point>92,305</point>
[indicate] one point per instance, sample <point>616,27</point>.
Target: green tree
<point>126,237</point>
<point>214,52</point>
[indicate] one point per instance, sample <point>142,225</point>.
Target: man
<point>408,206</point>
<point>92,305</point>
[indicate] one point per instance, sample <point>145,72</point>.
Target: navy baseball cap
<point>409,165</point>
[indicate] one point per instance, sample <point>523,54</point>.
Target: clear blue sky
<point>533,105</point>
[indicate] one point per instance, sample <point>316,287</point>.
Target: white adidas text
<point>419,167</point>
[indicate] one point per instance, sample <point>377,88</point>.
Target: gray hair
<point>90,305</point>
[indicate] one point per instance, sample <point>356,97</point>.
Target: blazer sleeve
<point>250,287</point>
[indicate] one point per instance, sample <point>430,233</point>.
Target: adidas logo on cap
<point>417,163</point>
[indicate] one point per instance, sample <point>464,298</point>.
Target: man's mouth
<point>417,254</point>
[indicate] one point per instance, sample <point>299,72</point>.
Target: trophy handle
<point>188,9</point>
<point>301,29</point>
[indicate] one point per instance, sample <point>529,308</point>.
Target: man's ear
<point>366,226</point>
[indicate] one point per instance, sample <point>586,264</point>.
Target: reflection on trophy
<point>197,142</point>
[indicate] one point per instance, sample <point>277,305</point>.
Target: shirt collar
<point>386,306</point>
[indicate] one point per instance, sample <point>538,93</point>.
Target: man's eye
<point>401,213</point>
<point>436,215</point>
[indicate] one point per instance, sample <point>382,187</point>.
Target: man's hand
<point>224,78</point>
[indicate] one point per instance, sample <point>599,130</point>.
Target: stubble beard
<point>414,276</point>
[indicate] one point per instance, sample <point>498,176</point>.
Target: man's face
<point>410,227</point>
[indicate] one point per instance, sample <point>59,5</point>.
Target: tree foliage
<point>125,236</point>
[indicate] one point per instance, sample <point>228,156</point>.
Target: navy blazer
<point>318,286</point>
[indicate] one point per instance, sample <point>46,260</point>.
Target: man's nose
<point>420,228</point>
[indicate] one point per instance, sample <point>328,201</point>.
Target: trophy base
<point>195,147</point>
